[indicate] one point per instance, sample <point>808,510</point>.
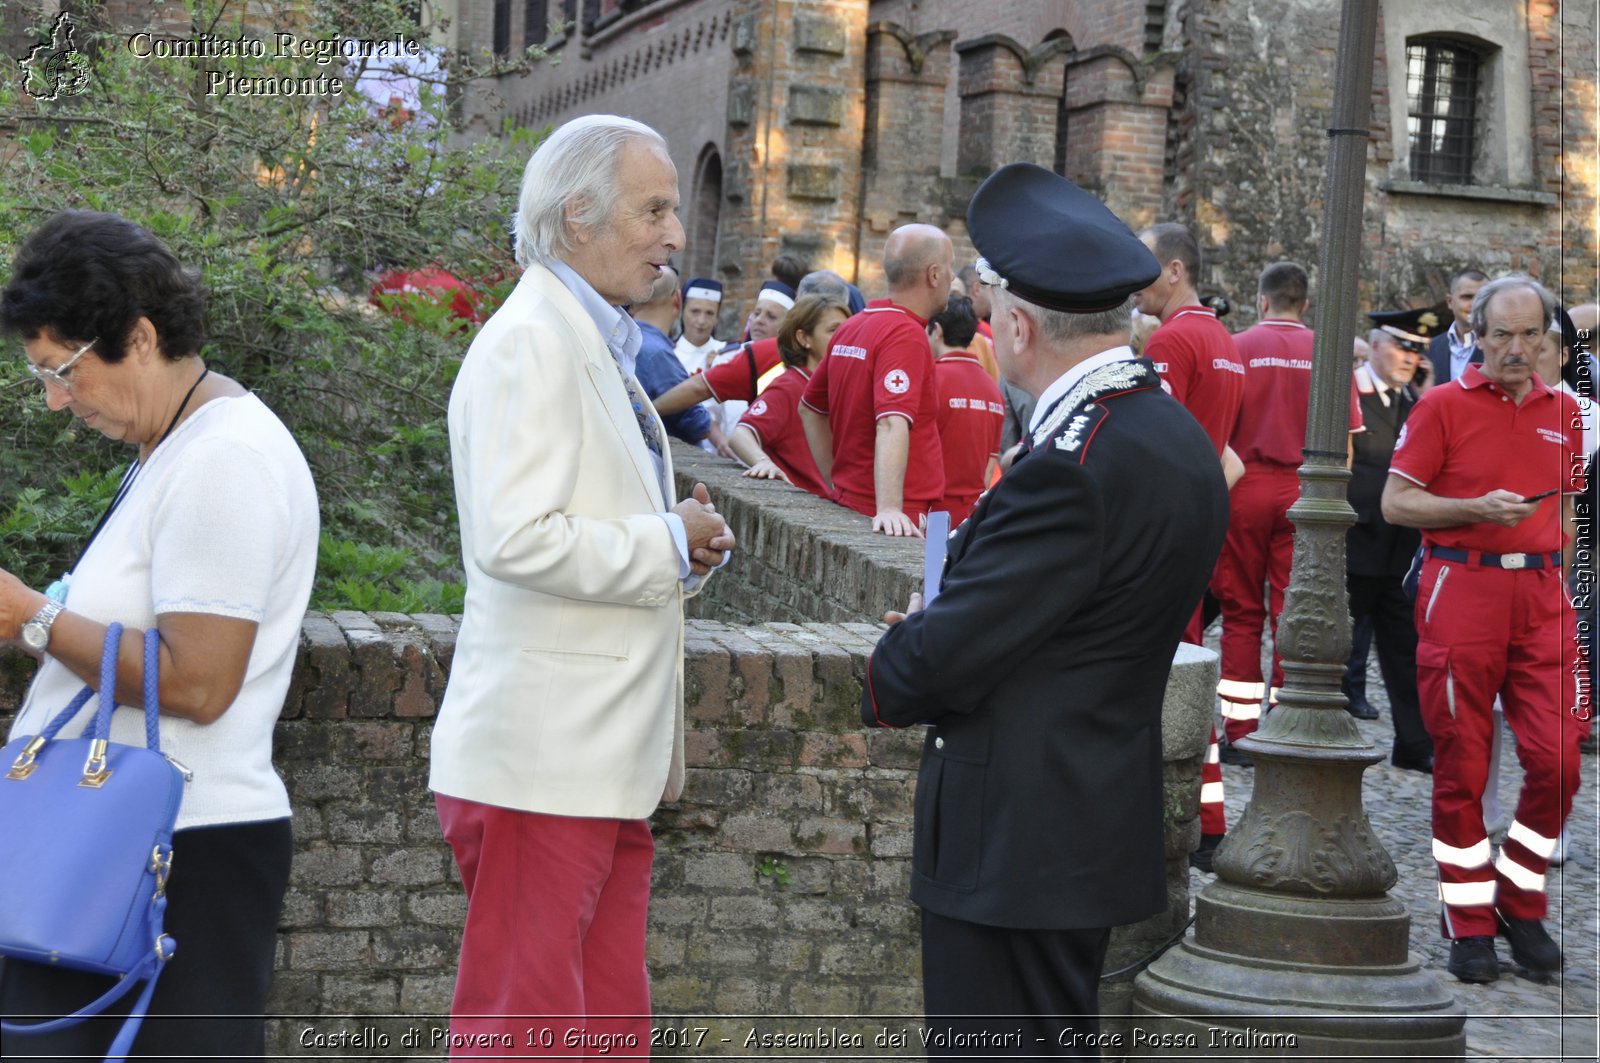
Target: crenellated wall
<point>780,884</point>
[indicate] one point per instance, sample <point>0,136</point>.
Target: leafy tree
<point>288,205</point>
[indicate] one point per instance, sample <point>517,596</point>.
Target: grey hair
<point>1479,318</point>
<point>576,162</point>
<point>1058,327</point>
<point>823,282</point>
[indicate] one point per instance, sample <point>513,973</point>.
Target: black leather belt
<point>1506,561</point>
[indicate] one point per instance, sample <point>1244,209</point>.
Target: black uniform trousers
<point>975,977</point>
<point>1380,599</point>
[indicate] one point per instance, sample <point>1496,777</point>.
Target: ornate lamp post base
<point>1297,948</point>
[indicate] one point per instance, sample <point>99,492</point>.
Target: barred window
<point>1442,79</point>
<point>502,27</point>
<point>535,21</point>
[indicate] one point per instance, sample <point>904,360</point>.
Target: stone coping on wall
<point>800,558</point>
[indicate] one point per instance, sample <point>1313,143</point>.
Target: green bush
<point>287,206</point>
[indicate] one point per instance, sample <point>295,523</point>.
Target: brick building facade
<point>819,125</point>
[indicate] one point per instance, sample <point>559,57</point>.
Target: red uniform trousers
<point>555,932</point>
<point>1213,813</point>
<point>1481,632</point>
<point>1256,554</point>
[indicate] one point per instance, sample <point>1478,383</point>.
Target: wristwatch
<point>36,632</point>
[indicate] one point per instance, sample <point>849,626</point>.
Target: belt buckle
<point>1513,561</point>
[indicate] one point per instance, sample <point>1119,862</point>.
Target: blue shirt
<point>659,370</point>
<point>622,338</point>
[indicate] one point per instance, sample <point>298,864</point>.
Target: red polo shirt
<point>775,419</point>
<point>1200,367</point>
<point>738,378</point>
<point>1466,438</point>
<point>1271,429</point>
<point>971,416</point>
<point>879,365</point>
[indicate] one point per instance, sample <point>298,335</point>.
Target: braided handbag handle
<point>108,684</point>
<point>152,688</point>
<point>108,665</point>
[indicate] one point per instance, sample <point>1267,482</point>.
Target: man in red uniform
<point>1268,437</point>
<point>1199,367</point>
<point>870,409</point>
<point>1472,468</point>
<point>971,412</point>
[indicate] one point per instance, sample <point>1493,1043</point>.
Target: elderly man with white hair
<point>562,725</point>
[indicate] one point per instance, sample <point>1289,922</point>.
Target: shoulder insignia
<point>1079,431</point>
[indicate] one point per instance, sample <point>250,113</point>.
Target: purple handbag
<point>87,828</point>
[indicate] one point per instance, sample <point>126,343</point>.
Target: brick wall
<point>780,884</point>
<point>1250,154</point>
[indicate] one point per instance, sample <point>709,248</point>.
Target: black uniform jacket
<point>1373,546</point>
<point>1043,663</point>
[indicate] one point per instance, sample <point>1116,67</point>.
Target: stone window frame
<point>1503,168</point>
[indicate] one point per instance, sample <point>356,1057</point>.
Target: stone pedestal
<point>1185,728</point>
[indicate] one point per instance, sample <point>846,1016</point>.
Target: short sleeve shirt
<point>739,378</point>
<point>971,415</point>
<point>1467,438</point>
<point>879,365</point>
<point>1200,367</point>
<point>775,419</point>
<point>1271,429</point>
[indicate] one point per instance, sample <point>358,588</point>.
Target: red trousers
<point>552,959</point>
<point>1256,554</point>
<point>1484,632</point>
<point>1213,813</point>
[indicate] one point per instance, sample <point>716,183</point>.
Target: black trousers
<point>223,903</point>
<point>1394,628</point>
<point>992,992</point>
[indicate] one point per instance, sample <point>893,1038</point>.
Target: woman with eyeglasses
<point>211,539</point>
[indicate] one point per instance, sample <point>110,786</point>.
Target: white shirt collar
<point>1066,381</point>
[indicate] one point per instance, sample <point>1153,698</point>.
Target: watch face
<point>36,635</point>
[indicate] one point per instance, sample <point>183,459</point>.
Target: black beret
<point>1053,244</point>
<point>1414,329</point>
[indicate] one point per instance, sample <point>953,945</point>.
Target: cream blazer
<point>566,690</point>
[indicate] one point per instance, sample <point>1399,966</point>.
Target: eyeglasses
<point>58,375</point>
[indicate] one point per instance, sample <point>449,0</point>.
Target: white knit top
<point>221,520</point>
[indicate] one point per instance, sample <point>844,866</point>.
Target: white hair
<point>1061,326</point>
<point>576,162</point>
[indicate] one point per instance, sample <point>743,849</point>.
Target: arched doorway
<point>705,214</point>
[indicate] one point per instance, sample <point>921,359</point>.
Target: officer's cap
<point>1413,329</point>
<point>703,288</point>
<point>1051,243</point>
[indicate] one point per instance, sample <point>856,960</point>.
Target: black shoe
<point>1361,708</point>
<point>1473,960</point>
<point>1202,858</point>
<point>1231,754</point>
<point>1411,762</point>
<point>1531,947</point>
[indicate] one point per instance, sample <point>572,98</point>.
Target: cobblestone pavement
<point>1513,1018</point>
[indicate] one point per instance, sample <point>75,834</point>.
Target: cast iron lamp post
<point>1298,949</point>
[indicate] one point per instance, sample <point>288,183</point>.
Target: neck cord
<point>133,469</point>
